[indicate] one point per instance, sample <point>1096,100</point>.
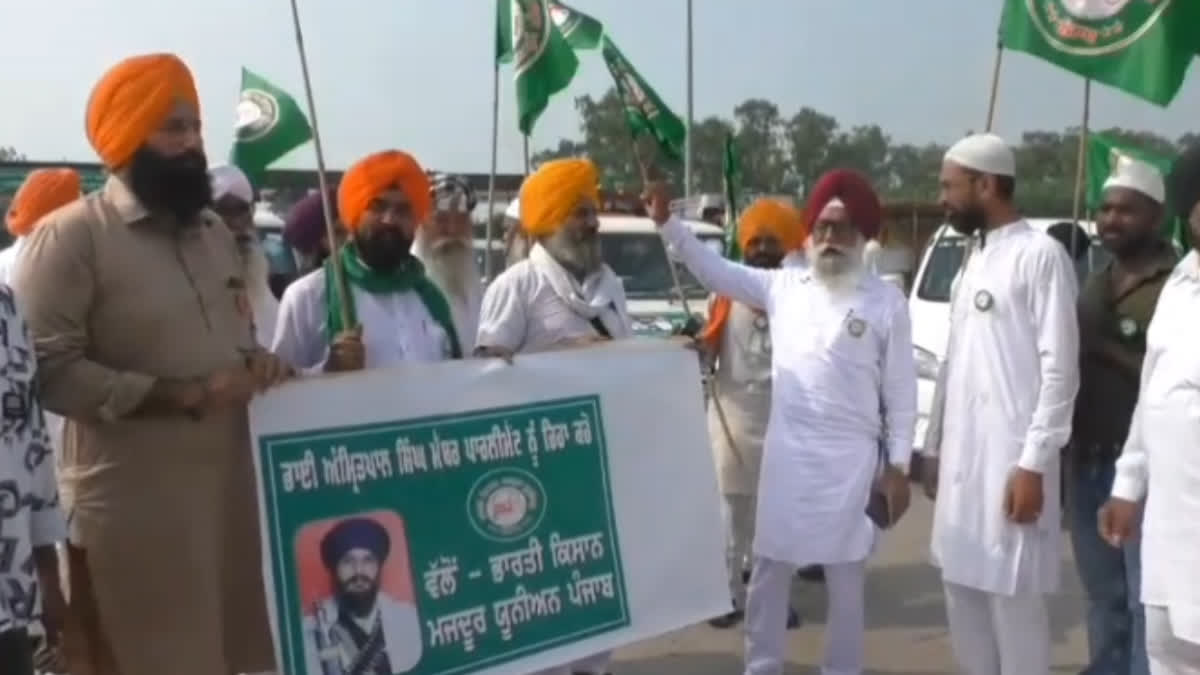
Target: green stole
<point>409,276</point>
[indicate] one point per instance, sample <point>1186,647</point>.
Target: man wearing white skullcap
<point>516,243</point>
<point>233,200</point>
<point>1158,473</point>
<point>1002,414</point>
<point>1115,307</point>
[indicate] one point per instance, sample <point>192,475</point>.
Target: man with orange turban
<point>563,292</point>
<point>738,336</point>
<point>145,343</point>
<point>843,407</point>
<point>392,312</point>
<point>43,191</point>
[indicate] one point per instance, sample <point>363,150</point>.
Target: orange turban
<point>375,174</point>
<point>43,191</point>
<point>775,217</point>
<point>553,191</point>
<point>132,101</point>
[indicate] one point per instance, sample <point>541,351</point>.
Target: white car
<point>929,304</point>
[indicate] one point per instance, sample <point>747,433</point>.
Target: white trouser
<point>993,634</point>
<point>1168,654</point>
<point>596,664</point>
<point>739,536</point>
<point>766,617</point>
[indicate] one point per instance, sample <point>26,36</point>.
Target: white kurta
<point>1013,371</point>
<point>397,327</point>
<point>1163,453</point>
<point>522,312</point>
<point>838,362</point>
<point>743,386</point>
<point>8,259</point>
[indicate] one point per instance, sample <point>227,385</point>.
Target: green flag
<point>644,110</point>
<point>1103,153</point>
<point>1143,47</point>
<point>580,30</point>
<point>543,62</point>
<point>731,172</point>
<point>270,124</point>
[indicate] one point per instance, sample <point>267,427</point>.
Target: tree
<point>807,135</point>
<point>10,154</point>
<point>759,138</point>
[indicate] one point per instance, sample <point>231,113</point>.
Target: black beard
<point>968,221</point>
<point>764,260</point>
<point>358,603</point>
<point>176,185</point>
<point>385,249</point>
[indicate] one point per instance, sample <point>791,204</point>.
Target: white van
<point>929,303</point>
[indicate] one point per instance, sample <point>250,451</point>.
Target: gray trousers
<point>1168,654</point>
<point>766,617</point>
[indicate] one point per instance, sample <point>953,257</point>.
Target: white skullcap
<point>229,180</point>
<point>711,202</point>
<point>1137,175</point>
<point>514,210</point>
<point>985,153</point>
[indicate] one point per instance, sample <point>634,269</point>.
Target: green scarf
<point>409,276</point>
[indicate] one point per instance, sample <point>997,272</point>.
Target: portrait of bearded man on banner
<point>360,628</point>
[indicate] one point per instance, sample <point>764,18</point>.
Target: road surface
<point>906,620</point>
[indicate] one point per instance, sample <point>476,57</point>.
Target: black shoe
<point>793,620</point>
<point>727,620</point>
<point>745,576</point>
<point>812,573</point>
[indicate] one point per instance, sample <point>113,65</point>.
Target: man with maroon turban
<point>137,303</point>
<point>304,230</point>
<point>843,407</point>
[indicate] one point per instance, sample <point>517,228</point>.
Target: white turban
<point>1135,174</point>
<point>514,210</point>
<point>985,153</point>
<point>229,180</point>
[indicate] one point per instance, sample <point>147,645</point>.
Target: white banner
<point>479,517</point>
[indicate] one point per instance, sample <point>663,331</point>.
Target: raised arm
<point>1052,294</point>
<point>899,384</point>
<point>744,284</point>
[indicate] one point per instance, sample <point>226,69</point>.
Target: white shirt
<point>743,387</point>
<point>1163,453</point>
<point>397,327</point>
<point>8,259</point>
<point>845,384</point>
<point>26,474</point>
<point>521,312</point>
<point>1012,374</point>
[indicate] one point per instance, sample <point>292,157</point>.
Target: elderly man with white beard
<point>844,394</point>
<point>445,246</point>
<point>233,200</point>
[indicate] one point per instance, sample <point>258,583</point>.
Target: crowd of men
<point>137,324</point>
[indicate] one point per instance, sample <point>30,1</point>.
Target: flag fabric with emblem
<point>580,30</point>
<point>270,124</point>
<point>1103,153</point>
<point>544,63</point>
<point>644,109</point>
<point>731,172</point>
<point>1143,47</point>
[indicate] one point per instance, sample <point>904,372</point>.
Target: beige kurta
<point>163,506</point>
<point>743,385</point>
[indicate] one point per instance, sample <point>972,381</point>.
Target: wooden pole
<point>490,228</point>
<point>1081,157</point>
<point>335,260</point>
<point>991,112</point>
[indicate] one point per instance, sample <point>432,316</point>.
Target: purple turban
<point>304,229</point>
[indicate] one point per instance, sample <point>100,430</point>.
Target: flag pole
<point>1081,157</point>
<point>490,228</point>
<point>525,150</point>
<point>991,113</point>
<point>687,141</point>
<point>326,207</point>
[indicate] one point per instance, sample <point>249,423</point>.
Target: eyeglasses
<point>838,230</point>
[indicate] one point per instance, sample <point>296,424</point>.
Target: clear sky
<point>417,75</point>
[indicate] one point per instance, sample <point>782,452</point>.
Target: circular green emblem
<point>506,504</point>
<point>1094,27</point>
<point>1128,327</point>
<point>530,32</point>
<point>257,114</point>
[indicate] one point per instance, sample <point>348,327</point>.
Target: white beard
<point>451,265</point>
<point>839,274</point>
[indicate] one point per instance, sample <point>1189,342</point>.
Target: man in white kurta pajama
<point>562,295</point>
<point>844,388</point>
<point>1009,391</point>
<point>1160,462</point>
<point>397,314</point>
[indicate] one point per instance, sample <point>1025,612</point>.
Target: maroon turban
<point>855,191</point>
<point>304,228</point>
